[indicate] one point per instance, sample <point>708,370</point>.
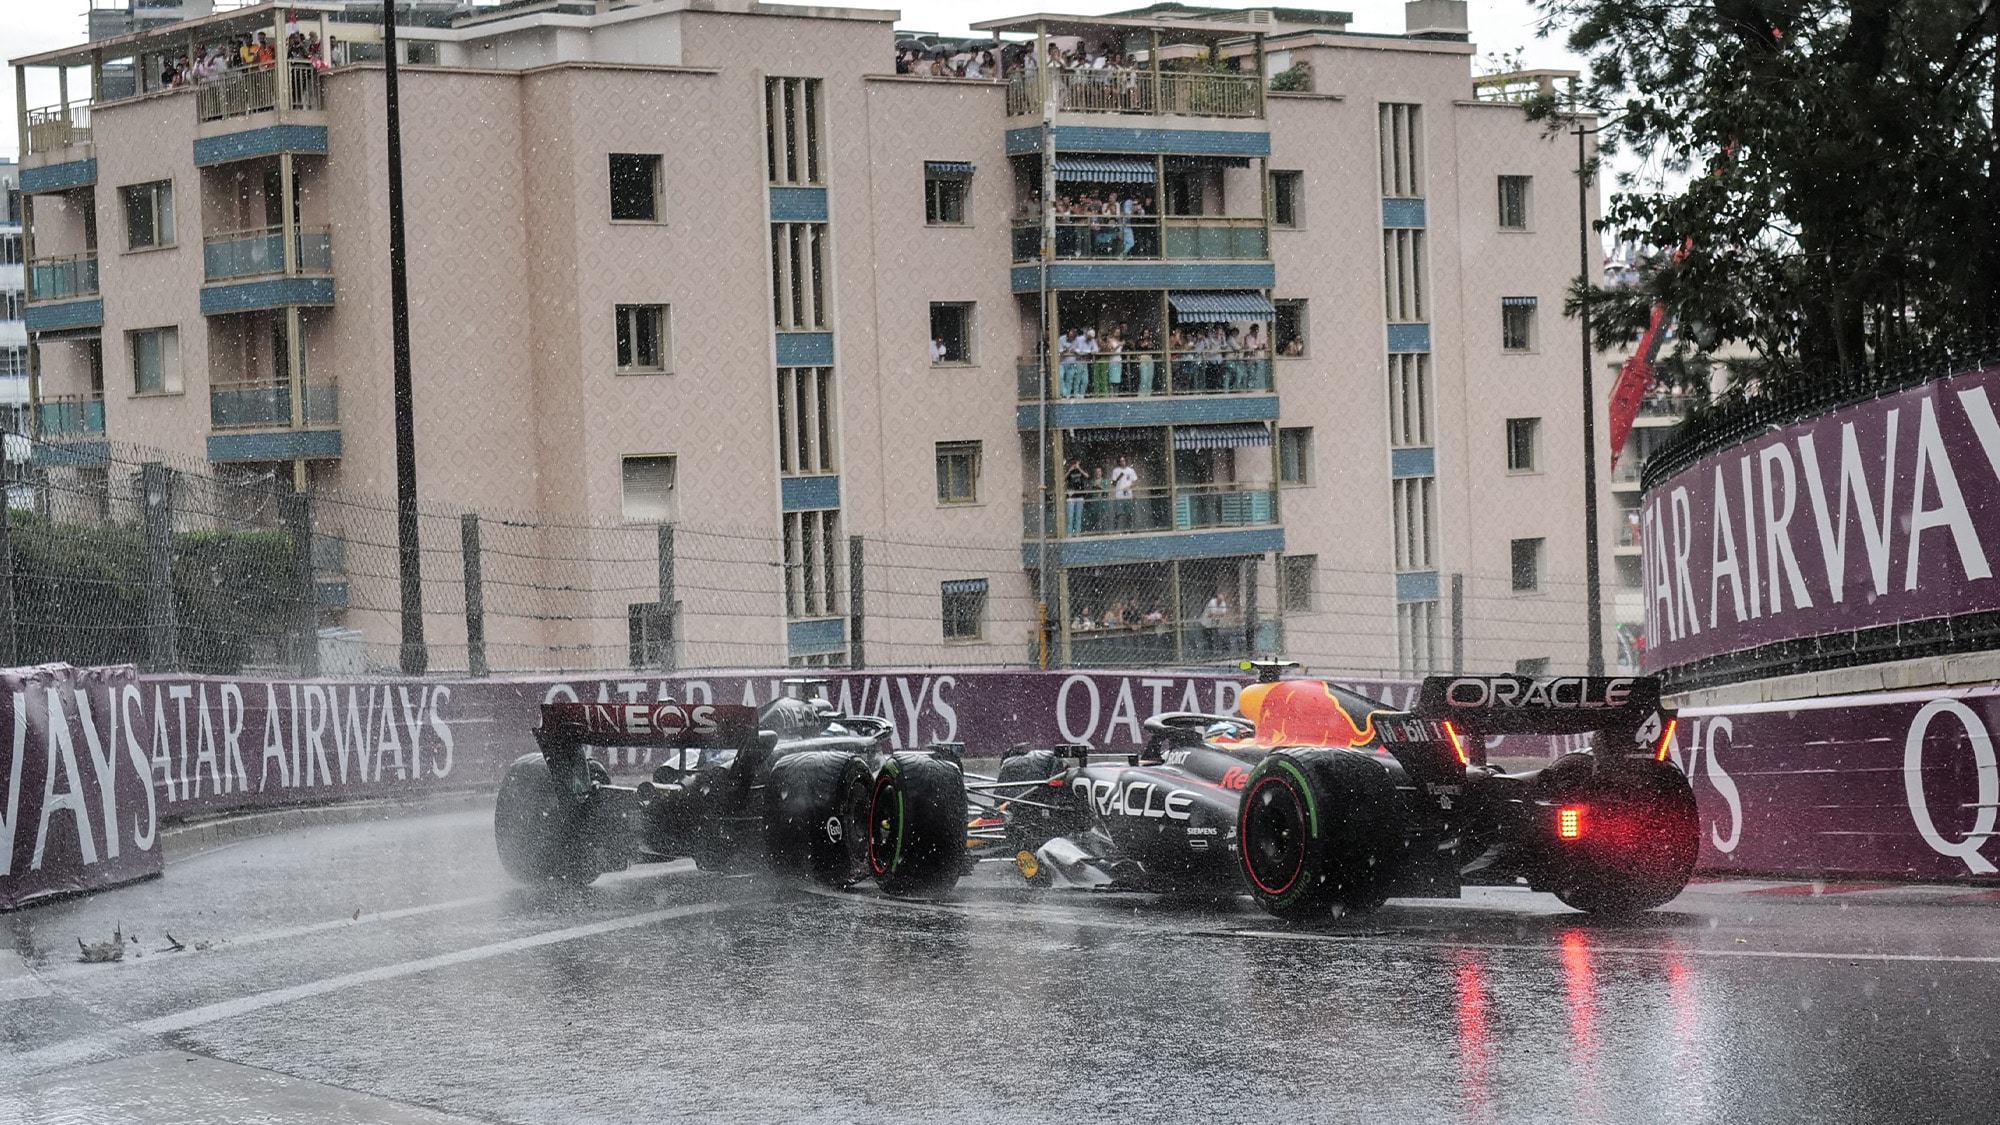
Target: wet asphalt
<point>388,971</point>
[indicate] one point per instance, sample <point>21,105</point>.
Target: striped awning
<point>1519,302</point>
<point>947,169</point>
<point>963,586</point>
<point>1222,435</point>
<point>1106,434</point>
<point>1212,307</point>
<point>1103,170</point>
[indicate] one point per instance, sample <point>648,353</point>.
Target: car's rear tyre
<point>1316,829</point>
<point>539,829</point>
<point>1639,841</point>
<point>816,816</point>
<point>916,836</point>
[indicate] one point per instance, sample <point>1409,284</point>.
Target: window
<point>1533,666</point>
<point>798,276</point>
<point>964,608</point>
<point>1417,637</point>
<point>1517,324</point>
<point>1402,137</point>
<point>812,563</point>
<point>1413,521</point>
<point>805,420</point>
<point>648,636</point>
<point>1514,202</point>
<point>14,361</point>
<point>1527,565</point>
<point>12,305</point>
<point>1403,275</point>
<point>635,187</point>
<point>1524,436</point>
<point>1409,399</point>
<point>644,343</point>
<point>951,332</point>
<point>1288,328</point>
<point>1287,189</point>
<point>947,184</point>
<point>10,249</point>
<point>156,361</point>
<point>649,489</point>
<point>958,472</point>
<point>149,214</point>
<point>1299,590</point>
<point>1295,454</point>
<point>792,130</point>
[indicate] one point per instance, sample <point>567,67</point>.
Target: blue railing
<point>270,404</point>
<point>260,252</point>
<point>65,416</point>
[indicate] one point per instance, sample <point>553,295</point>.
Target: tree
<point>1822,181</point>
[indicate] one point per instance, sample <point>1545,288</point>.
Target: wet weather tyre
<point>816,817</point>
<point>539,829</point>
<point>1639,842</point>
<point>916,837</point>
<point>1316,829</point>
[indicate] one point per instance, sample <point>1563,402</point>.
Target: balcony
<point>1134,375</point>
<point>1191,507</point>
<point>261,253</point>
<point>268,405</point>
<point>1147,237</point>
<point>1134,91</point>
<point>58,417</point>
<point>247,92</point>
<point>62,278</point>
<point>56,127</point>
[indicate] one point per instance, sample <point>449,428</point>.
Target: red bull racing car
<point>1316,797</point>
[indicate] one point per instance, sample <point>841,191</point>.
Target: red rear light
<point>1457,742</point>
<point>1055,783</point>
<point>1666,740</point>
<point>1569,822</point>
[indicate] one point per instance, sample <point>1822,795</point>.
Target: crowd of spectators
<point>977,59</point>
<point>244,52</point>
<point>1199,358</point>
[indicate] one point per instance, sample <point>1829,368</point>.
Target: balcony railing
<point>252,253</point>
<point>1666,404</point>
<point>1147,375</point>
<point>1131,90</point>
<point>53,127</point>
<point>67,416</point>
<point>1116,646</point>
<point>1110,237</point>
<point>62,278</point>
<point>1189,507</point>
<point>244,92</point>
<point>236,405</point>
<point>1628,533</point>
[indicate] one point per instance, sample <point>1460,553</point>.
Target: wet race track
<point>388,971</point>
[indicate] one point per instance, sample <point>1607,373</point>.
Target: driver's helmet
<point>794,719</point>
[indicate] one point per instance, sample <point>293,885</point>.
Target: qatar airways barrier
<point>96,761</point>
<point>1876,514</point>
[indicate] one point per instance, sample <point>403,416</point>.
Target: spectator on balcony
<point>1095,517</point>
<point>1114,361</point>
<point>1123,478</point>
<point>1091,352</point>
<point>1076,489</point>
<point>1213,616</point>
<point>1146,364</point>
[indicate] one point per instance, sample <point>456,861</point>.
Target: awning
<point>1103,170</point>
<point>963,586</point>
<point>1222,435</point>
<point>1197,163</point>
<point>1107,434</point>
<point>1215,307</point>
<point>947,169</point>
<point>1519,302</point>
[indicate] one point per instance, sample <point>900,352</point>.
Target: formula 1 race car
<point>813,795</point>
<point>1316,797</point>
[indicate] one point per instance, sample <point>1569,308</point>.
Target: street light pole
<point>1593,593</point>
<point>409,554</point>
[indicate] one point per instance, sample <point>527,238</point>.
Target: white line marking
<point>242,1005</point>
<point>1651,951</point>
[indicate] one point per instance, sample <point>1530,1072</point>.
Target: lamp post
<point>409,554</point>
<point>1593,595</point>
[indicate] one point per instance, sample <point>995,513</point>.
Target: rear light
<point>1569,822</point>
<point>1055,783</point>
<point>1457,742</point>
<point>1666,740</point>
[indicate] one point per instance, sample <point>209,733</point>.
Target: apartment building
<point>13,303</point>
<point>720,265</point>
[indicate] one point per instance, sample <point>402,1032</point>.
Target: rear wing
<point>1623,711</point>
<point>567,726</point>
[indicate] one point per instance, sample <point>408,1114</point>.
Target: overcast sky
<point>29,27</point>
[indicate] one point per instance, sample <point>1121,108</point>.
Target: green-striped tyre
<point>1316,830</point>
<point>916,819</point>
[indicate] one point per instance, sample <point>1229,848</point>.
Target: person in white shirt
<point>1072,369</point>
<point>1122,479</point>
<point>1213,615</point>
<point>938,351</point>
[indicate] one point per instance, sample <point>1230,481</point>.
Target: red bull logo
<point>1302,713</point>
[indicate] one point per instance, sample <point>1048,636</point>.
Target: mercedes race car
<point>795,787</point>
<point>1315,797</point>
